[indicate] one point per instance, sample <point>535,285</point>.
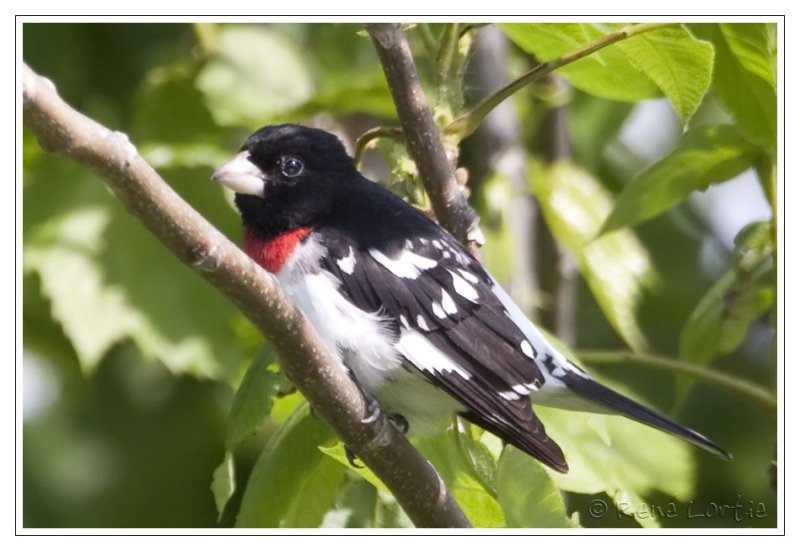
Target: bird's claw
<point>352,457</point>
<point>400,422</point>
<point>373,409</point>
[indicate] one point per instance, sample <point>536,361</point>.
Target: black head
<point>286,177</point>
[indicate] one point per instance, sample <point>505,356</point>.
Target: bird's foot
<point>352,457</point>
<point>400,422</point>
<point>373,409</point>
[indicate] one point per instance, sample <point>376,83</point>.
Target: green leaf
<point>721,320</point>
<point>108,279</point>
<point>704,156</point>
<point>677,62</point>
<point>607,73</point>
<point>292,483</point>
<point>478,504</point>
<point>367,93</point>
<point>339,454</point>
<point>346,77</point>
<point>315,496</point>
<point>389,514</point>
<point>752,245</point>
<point>700,337</point>
<point>529,497</point>
<point>481,508</point>
<point>742,311</point>
<point>253,399</point>
<point>477,456</point>
<point>223,483</point>
<point>669,59</point>
<point>754,44</point>
<point>361,505</point>
<point>184,154</point>
<point>355,506</point>
<point>254,75</point>
<point>40,332</point>
<point>615,266</point>
<point>744,77</point>
<point>620,457</point>
<point>168,109</point>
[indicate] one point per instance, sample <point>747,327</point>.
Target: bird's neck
<point>271,253</point>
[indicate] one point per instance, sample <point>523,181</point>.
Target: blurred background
<point>131,362</point>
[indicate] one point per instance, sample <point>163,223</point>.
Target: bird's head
<point>286,176</point>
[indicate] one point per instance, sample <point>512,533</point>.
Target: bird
<point>422,327</point>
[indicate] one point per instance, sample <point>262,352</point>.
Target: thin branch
<point>373,134</point>
<point>422,136</point>
<point>755,393</point>
<point>428,40</point>
<point>64,131</point>
<point>465,124</point>
<point>467,28</point>
<point>447,68</point>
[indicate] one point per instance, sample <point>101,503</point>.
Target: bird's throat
<point>272,254</point>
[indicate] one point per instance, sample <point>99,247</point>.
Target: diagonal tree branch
<point>422,135</point>
<point>64,131</point>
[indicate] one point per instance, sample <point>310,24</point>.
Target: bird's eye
<point>291,166</point>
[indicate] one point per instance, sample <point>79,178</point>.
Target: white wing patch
<point>472,278</point>
<point>448,304</point>
<point>423,354</point>
<point>527,349</point>
<point>422,324</point>
<point>348,263</point>
<point>517,391</point>
<point>463,288</point>
<point>407,265</point>
<point>562,369</point>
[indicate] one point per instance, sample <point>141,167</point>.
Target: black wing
<point>431,287</point>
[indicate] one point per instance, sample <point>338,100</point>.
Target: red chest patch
<point>272,254</point>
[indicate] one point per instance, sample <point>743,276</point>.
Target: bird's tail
<point>591,390</point>
<point>567,386</point>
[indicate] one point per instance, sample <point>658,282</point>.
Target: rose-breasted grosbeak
<point>422,327</point>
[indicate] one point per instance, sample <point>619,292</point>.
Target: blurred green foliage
<point>150,401</point>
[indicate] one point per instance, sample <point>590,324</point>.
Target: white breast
<point>363,343</point>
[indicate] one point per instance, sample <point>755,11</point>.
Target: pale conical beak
<point>240,175</point>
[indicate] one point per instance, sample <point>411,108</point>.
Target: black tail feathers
<point>594,391</point>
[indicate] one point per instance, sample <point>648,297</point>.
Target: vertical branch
<point>422,136</point>
<point>539,262</point>
<point>447,85</point>
<point>499,147</point>
<point>557,272</point>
